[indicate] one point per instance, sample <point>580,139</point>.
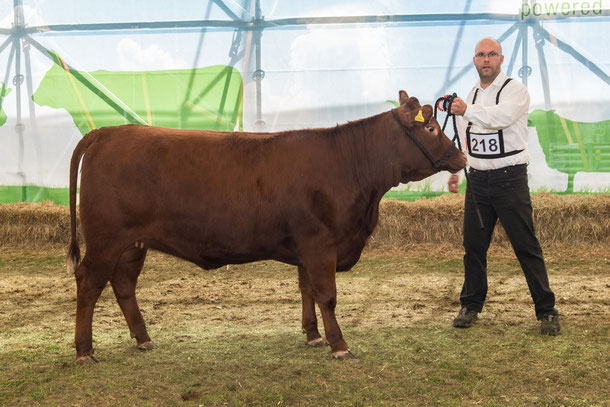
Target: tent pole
<point>259,74</point>
<point>19,126</point>
<point>513,57</point>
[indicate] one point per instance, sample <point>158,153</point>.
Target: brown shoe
<point>550,324</point>
<point>465,318</point>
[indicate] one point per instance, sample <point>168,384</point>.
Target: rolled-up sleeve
<point>514,102</point>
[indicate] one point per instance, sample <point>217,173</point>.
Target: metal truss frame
<point>253,22</point>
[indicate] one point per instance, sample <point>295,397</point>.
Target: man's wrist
<point>465,111</point>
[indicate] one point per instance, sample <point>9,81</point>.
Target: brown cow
<point>309,198</point>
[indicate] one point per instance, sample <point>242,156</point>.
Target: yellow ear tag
<point>419,117</point>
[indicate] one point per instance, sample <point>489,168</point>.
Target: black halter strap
<point>437,164</point>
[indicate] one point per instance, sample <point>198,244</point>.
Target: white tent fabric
<point>297,65</point>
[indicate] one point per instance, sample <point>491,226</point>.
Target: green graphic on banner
<point>32,193</point>
<point>3,92</point>
<point>570,146</point>
<point>202,98</point>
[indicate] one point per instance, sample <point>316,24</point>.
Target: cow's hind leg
<point>91,278</point>
<point>124,280</point>
<point>321,274</point>
<point>309,320</point>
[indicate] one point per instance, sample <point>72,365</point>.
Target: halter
<point>437,164</point>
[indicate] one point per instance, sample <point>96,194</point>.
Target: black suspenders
<point>502,153</point>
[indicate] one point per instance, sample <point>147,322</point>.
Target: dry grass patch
<point>232,336</point>
<point>563,219</point>
<point>559,219</point>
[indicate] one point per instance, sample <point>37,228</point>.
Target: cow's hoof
<point>149,345</point>
<point>343,354</point>
<point>317,342</point>
<point>87,360</point>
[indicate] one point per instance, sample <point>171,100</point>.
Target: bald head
<point>489,43</point>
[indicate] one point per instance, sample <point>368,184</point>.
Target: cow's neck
<point>374,161</point>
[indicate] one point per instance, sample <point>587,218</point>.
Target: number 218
<point>492,145</point>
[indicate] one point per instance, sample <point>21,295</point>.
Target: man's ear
<point>402,97</point>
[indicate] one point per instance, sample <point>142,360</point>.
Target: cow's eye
<point>431,129</point>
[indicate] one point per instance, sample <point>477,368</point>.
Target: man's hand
<point>458,107</point>
<point>454,183</point>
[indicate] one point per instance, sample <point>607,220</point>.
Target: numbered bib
<point>485,145</point>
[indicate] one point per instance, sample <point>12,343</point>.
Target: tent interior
<point>270,65</point>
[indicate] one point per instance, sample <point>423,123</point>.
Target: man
<point>495,121</point>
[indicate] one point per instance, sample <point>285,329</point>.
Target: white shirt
<point>509,115</point>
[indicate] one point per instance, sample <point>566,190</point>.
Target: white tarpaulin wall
<point>274,65</point>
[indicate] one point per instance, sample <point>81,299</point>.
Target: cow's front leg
<point>321,274</point>
<point>309,320</point>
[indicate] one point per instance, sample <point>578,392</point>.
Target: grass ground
<point>232,336</point>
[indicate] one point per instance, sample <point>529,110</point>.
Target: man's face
<point>488,65</point>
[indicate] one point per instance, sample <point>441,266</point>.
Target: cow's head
<point>420,123</point>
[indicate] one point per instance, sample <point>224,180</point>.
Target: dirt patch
<point>387,288</point>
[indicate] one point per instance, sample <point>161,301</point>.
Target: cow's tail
<point>73,256</point>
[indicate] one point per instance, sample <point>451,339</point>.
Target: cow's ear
<point>420,115</point>
<point>427,113</point>
<point>402,97</point>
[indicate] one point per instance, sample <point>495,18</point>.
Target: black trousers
<point>504,194</point>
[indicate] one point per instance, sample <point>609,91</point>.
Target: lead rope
<point>447,101</point>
